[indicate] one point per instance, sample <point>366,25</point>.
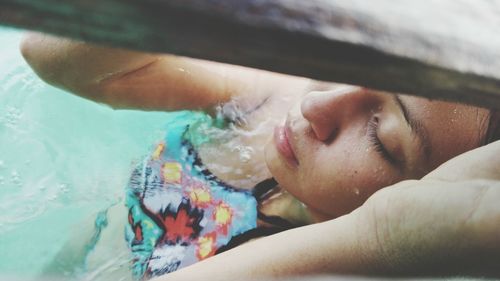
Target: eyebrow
<point>416,127</point>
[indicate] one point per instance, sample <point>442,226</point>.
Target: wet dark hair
<point>493,129</point>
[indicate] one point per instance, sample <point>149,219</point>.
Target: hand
<point>446,223</point>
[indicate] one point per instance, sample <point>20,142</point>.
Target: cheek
<point>333,180</point>
<point>338,187</point>
<point>335,187</point>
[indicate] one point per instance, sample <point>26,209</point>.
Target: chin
<point>275,166</point>
<point>269,154</point>
<point>273,162</point>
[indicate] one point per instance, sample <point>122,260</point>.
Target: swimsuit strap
<point>276,221</point>
<point>278,224</point>
<point>259,192</point>
<point>263,188</point>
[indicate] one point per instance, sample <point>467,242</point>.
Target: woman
<point>328,146</point>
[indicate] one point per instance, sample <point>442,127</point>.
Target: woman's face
<point>343,143</point>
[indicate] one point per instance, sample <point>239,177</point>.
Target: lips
<point>282,142</point>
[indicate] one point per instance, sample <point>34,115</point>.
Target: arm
<point>443,224</point>
<point>129,79</point>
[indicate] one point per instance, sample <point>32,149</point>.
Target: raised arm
<point>129,79</point>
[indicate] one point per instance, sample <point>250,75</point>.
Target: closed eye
<point>379,147</point>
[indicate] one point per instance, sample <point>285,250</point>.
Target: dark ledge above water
<point>444,49</point>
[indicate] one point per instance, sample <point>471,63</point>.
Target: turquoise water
<point>62,159</point>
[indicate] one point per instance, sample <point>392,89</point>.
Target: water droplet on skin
<point>377,170</point>
<point>455,112</point>
<point>356,191</point>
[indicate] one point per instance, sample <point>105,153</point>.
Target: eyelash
<point>375,141</point>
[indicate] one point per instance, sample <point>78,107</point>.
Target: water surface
<point>62,159</point>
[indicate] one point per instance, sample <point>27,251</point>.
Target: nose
<point>328,112</point>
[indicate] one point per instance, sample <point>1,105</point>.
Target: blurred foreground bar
<point>446,49</point>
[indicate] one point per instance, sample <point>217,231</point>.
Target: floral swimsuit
<point>178,212</point>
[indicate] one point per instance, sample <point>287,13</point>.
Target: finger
<point>480,163</point>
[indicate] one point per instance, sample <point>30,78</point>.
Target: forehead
<point>452,128</point>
